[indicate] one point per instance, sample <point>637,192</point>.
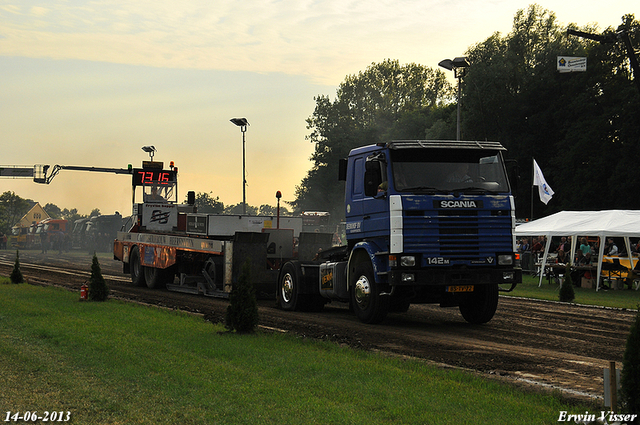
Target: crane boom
<point>42,177</point>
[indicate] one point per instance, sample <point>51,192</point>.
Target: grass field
<point>120,363</point>
<point>628,299</point>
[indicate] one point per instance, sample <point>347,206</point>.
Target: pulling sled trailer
<point>170,244</point>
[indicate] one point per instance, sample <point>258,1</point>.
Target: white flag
<point>545,191</point>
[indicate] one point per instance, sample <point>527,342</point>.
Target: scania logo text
<point>458,204</point>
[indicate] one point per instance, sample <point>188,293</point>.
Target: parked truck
<point>426,222</point>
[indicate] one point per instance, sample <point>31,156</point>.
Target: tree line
<point>13,208</point>
<point>582,128</point>
<point>207,204</point>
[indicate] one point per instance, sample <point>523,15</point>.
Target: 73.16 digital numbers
<point>154,177</point>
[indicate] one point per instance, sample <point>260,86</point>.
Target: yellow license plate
<point>460,288</point>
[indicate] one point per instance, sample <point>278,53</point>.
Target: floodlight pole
<point>458,66</point>
<point>243,123</point>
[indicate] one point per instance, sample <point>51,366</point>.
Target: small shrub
<point>630,375</point>
<point>567,294</point>
<point>16,274</point>
<point>242,312</point>
<point>98,290</point>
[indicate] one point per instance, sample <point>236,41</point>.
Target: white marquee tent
<point>604,224</point>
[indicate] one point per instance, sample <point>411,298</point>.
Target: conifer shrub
<point>566,293</point>
<point>630,375</point>
<point>242,312</point>
<point>16,274</point>
<point>98,290</point>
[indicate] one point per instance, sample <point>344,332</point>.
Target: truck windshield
<point>446,170</point>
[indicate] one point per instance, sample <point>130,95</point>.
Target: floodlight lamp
<point>150,150</point>
<point>460,62</point>
<point>451,65</point>
<point>240,122</point>
<point>447,64</point>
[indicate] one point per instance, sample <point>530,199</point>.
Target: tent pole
<point>600,259</point>
<point>544,259</point>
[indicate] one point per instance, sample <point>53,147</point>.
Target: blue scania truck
<point>426,222</point>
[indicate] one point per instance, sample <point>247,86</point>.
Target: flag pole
<point>533,180</point>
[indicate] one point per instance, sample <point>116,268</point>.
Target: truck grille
<point>458,235</point>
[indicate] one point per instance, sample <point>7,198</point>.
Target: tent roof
<point>584,223</point>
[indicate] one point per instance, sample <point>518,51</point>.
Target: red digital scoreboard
<point>151,177</point>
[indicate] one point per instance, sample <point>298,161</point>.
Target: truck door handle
<point>366,217</point>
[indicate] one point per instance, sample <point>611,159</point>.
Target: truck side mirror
<point>513,174</point>
<point>342,169</point>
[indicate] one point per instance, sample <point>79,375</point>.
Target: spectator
<point>538,245</point>
<point>584,246</point>
<point>562,257</point>
<point>563,245</point>
<point>611,248</point>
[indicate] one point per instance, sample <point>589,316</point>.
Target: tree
<point>72,215</point>
<point>206,203</point>
<point>237,209</point>
<point>386,101</point>
<point>566,293</point>
<point>53,210</point>
<point>16,274</point>
<point>98,290</point>
<point>582,128</point>
<point>12,209</point>
<point>266,209</point>
<point>242,312</point>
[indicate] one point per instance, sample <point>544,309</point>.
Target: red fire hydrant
<point>84,291</point>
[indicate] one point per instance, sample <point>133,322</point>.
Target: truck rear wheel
<point>369,305</point>
<point>155,277</point>
<point>288,286</point>
<point>480,307</point>
<point>290,296</point>
<point>136,268</point>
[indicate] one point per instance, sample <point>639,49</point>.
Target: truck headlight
<point>505,260</point>
<point>508,276</point>
<point>408,277</point>
<point>408,261</point>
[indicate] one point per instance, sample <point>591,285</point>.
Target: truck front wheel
<point>368,303</point>
<point>482,305</point>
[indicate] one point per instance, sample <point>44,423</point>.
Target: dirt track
<point>533,343</point>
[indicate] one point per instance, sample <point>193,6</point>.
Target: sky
<point>89,83</point>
